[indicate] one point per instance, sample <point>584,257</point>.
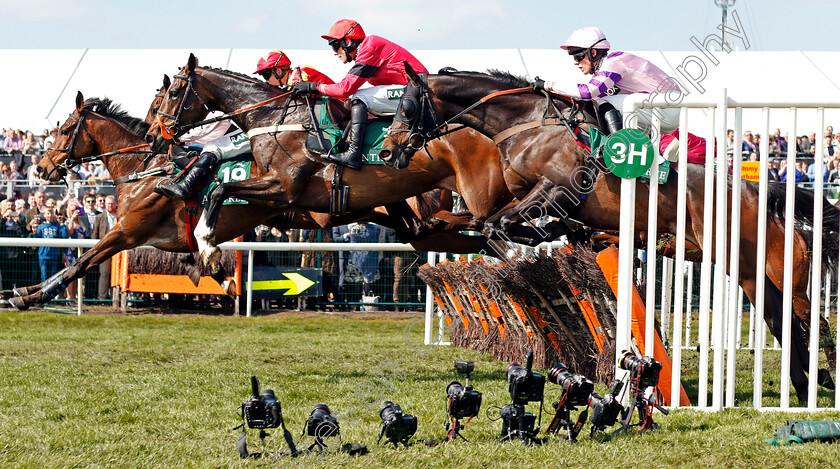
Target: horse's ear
<point>412,75</point>
<point>80,101</point>
<point>192,63</point>
<point>166,82</point>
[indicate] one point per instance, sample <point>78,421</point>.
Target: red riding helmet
<point>274,59</point>
<point>345,29</point>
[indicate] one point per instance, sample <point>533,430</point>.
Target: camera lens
<point>389,411</point>
<point>321,424</point>
<point>629,361</point>
<point>559,375</point>
<point>454,388</point>
<point>320,409</point>
<point>515,372</point>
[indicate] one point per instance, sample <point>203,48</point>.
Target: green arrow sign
<point>296,283</point>
<point>628,153</point>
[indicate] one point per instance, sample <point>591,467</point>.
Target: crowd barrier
<point>720,318</point>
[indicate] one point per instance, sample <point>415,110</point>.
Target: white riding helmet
<point>585,38</point>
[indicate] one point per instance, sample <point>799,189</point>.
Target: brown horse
<point>420,220</point>
<point>547,170</point>
<point>145,217</point>
<point>290,176</point>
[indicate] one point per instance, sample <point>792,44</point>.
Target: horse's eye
<point>408,109</point>
<point>173,94</point>
<point>64,132</point>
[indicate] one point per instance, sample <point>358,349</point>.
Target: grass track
<point>163,391</point>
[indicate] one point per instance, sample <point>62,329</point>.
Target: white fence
<point>249,247</point>
<point>723,316</point>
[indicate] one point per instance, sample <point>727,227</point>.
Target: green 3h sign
<point>628,153</point>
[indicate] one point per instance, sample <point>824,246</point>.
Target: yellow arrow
<point>296,283</point>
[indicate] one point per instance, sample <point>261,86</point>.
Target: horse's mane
<point>248,78</point>
<point>112,110</point>
<point>231,72</point>
<point>504,78</point>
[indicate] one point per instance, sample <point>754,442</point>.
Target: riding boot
<point>199,170</point>
<point>352,157</point>
<point>612,121</point>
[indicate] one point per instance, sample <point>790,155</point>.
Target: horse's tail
<point>803,215</point>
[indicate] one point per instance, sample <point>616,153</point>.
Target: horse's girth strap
<point>190,218</point>
<point>276,128</point>
<point>507,133</point>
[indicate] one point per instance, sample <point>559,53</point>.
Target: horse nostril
<point>384,154</point>
<point>149,138</point>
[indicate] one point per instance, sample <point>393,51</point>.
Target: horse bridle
<point>176,129</point>
<point>80,124</point>
<point>418,137</point>
<point>67,164</point>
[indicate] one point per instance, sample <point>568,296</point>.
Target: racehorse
<point>288,175</point>
<point>547,171</point>
<point>419,220</point>
<point>99,127</point>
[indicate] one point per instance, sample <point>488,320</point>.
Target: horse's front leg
<point>264,188</point>
<point>113,242</point>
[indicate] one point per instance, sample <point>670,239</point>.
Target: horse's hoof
<point>824,379</point>
<point>4,303</point>
<point>19,303</point>
<point>6,294</point>
<point>195,275</point>
<point>229,286</point>
<point>214,260</point>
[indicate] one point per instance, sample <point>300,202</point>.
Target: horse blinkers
<point>412,113</point>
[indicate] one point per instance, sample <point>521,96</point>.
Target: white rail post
<point>653,215</point>
<point>720,258</point>
<point>816,266</point>
<point>760,268</point>
<point>627,229</point>
<point>689,296</point>
<point>665,299</point>
<point>249,285</point>
<point>676,350</point>
<point>734,258</point>
<point>703,308</point>
<point>787,294</point>
<point>430,306</point>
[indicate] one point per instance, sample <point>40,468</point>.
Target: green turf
<point>151,391</point>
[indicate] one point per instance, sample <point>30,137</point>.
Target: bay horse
<point>145,217</point>
<point>545,168</point>
<point>416,220</point>
<point>288,175</point>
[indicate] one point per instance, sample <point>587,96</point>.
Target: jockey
<point>223,140</point>
<point>616,76</point>
<point>276,69</point>
<point>378,62</point>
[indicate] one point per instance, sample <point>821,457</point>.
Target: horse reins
<point>176,128</point>
<point>80,124</point>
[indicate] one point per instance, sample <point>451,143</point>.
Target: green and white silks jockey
<point>220,143</point>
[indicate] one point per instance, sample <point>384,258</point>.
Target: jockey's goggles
<point>578,54</point>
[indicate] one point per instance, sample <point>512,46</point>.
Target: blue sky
<point>428,24</point>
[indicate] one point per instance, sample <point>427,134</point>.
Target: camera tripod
<point>645,405</point>
<point>519,430</point>
<point>456,431</point>
<point>563,419</point>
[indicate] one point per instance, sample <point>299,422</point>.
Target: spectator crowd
<point>31,207</point>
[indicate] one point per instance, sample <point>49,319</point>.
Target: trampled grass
<point>162,391</point>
